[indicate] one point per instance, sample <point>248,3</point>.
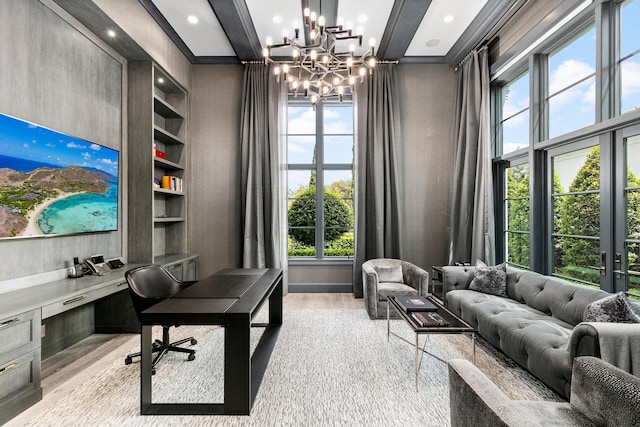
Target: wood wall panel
<point>53,75</point>
<point>133,18</point>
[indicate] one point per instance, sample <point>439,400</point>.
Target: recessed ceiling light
<point>160,80</point>
<point>193,19</point>
<point>362,19</point>
<point>277,19</point>
<point>111,33</point>
<point>432,43</point>
<point>448,18</point>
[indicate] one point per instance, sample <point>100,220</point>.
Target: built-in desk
<point>61,305</point>
<point>230,298</point>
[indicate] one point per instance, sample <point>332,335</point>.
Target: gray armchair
<point>601,395</point>
<point>385,276</point>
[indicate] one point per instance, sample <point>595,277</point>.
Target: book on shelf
<point>428,319</point>
<point>415,303</point>
<point>168,182</point>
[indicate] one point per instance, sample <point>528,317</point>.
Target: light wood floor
<point>75,364</point>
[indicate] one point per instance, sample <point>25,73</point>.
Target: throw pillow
<point>490,280</point>
<point>389,273</point>
<point>614,308</point>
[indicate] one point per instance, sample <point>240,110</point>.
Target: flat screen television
<point>54,184</point>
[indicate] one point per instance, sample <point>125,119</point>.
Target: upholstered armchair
<point>601,395</point>
<point>385,276</point>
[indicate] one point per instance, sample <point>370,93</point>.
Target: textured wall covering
<point>214,210</point>
<point>53,75</point>
<point>427,94</point>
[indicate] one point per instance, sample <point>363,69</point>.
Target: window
<point>320,146</point>
<point>576,215</point>
<point>629,62</point>
<point>516,205</point>
<point>515,114</point>
<point>571,102</point>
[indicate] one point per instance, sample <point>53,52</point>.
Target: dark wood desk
<point>230,298</point>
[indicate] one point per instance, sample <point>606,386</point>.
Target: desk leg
<point>275,305</point>
<point>417,361</point>
<point>145,369</point>
<point>237,365</point>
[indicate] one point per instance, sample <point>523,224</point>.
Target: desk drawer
<point>19,335</point>
<point>80,299</point>
<point>20,374</point>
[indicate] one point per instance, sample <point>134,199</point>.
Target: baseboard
<point>320,288</point>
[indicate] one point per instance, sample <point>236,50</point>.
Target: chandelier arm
<point>316,67</point>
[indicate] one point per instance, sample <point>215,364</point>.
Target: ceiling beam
<point>404,20</point>
<point>491,18</point>
<point>236,22</point>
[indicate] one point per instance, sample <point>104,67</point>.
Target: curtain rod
<point>262,62</point>
<point>491,34</point>
<point>476,49</point>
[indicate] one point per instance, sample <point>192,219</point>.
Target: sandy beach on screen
<point>32,227</point>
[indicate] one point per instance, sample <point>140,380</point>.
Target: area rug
<point>329,367</point>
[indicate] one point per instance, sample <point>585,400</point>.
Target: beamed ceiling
<point>411,31</point>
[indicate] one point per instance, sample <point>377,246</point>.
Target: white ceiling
<point>434,36</point>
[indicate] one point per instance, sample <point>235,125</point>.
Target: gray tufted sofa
<point>601,395</point>
<point>379,282</point>
<point>539,325</point>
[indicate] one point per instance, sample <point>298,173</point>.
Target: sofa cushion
<point>556,297</point>
<point>532,338</point>
<point>386,289</point>
<point>389,273</point>
<point>614,308</point>
<point>489,279</point>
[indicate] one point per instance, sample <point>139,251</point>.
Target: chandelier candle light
<point>317,68</point>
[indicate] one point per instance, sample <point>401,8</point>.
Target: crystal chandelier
<point>318,69</point>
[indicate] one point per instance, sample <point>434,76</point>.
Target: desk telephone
<point>94,265</point>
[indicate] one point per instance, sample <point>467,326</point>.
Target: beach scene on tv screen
<point>52,183</point>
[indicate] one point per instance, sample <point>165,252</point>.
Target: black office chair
<point>148,286</point>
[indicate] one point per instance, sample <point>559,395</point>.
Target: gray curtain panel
<point>261,180</point>
<point>471,227</point>
<point>378,185</point>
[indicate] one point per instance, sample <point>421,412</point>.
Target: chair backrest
<point>149,285</point>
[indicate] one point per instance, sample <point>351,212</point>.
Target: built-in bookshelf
<point>157,159</point>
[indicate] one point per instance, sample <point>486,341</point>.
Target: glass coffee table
<point>456,326</point>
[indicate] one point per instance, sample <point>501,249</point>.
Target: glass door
<point>577,252</point>
<point>627,245</point>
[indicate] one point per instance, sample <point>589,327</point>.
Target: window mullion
<point>319,181</point>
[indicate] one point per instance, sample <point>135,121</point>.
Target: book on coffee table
<point>415,303</point>
<point>428,319</point>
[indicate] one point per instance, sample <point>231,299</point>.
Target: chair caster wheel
<point>127,361</point>
<point>194,341</point>
<point>191,357</point>
<point>153,371</point>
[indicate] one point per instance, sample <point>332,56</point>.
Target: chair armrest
<point>616,343</point>
<point>605,394</point>
<point>415,277</point>
<point>583,341</point>
<point>456,277</point>
<point>370,288</point>
<point>476,401</point>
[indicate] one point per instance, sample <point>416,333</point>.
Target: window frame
<point>608,125</point>
<point>504,197</point>
<point>320,167</point>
